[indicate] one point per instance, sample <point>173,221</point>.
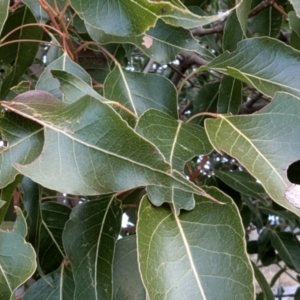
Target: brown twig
<point>196,173</point>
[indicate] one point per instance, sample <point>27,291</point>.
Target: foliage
<point>181,116</point>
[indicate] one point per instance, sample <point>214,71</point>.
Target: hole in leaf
<point>293,172</point>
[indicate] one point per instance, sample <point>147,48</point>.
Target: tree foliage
<point>142,142</point>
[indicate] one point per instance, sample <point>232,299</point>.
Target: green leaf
<point>102,143</point>
<point>4,5</point>
<point>266,143</point>
<point>162,43</point>
<point>188,256</point>
<point>262,283</point>
<point>21,87</point>
<point>47,83</point>
<point>294,22</point>
<point>127,282</point>
<point>244,183</point>
<point>206,100</point>
<point>267,23</point>
<point>264,63</point>
<point>230,95</point>
<point>178,198</point>
<point>242,12</point>
<point>138,91</point>
<point>89,241</point>
<point>179,142</point>
<point>288,247</point>
<point>296,5</point>
<point>23,141</point>
<point>19,55</point>
<point>58,285</point>
<point>50,248</point>
<point>233,33</point>
<point>149,13</point>
<point>17,258</point>
<point>6,196</point>
<point>73,87</point>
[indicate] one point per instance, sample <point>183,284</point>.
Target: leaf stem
<point>205,113</point>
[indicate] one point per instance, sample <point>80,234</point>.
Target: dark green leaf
<point>188,256</point>
<point>19,55</point>
<point>58,285</point>
<point>288,247</point>
<point>230,95</point>
<point>6,195</point>
<point>262,283</point>
<point>89,241</point>
<point>127,282</point>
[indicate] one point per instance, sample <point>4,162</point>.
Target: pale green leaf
<point>264,63</point>
<point>188,256</point>
<point>89,241</point>
<point>165,41</point>
<point>266,143</point>
<point>23,142</point>
<point>127,282</point>
<point>102,144</point>
<point>138,91</point>
<point>2,203</point>
<point>4,5</point>
<point>47,83</point>
<point>179,142</point>
<point>58,285</point>
<point>178,198</point>
<point>230,95</point>
<point>242,12</point>
<point>296,5</point>
<point>148,12</point>
<point>17,258</point>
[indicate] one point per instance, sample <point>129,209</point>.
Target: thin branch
<point>200,31</point>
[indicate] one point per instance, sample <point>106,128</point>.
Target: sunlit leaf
<point>265,63</point>
<point>127,283</point>
<point>138,92</point>
<point>296,5</point>
<point>23,142</point>
<point>58,285</point>
<point>188,256</point>
<point>89,241</point>
<point>47,83</point>
<point>17,258</point>
<point>242,12</point>
<point>266,143</point>
<point>19,55</point>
